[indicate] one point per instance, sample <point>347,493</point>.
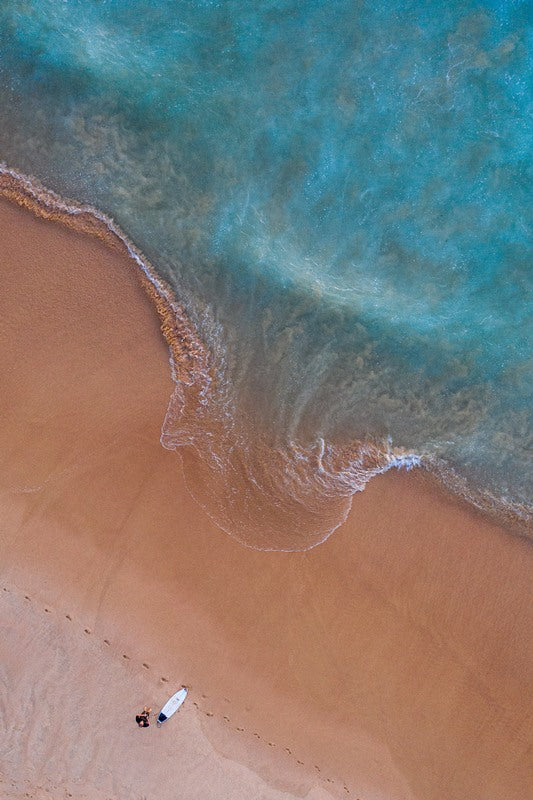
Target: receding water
<point>339,194</point>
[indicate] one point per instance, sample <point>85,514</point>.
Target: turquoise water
<point>339,194</point>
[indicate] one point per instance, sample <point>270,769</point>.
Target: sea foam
<point>336,205</point>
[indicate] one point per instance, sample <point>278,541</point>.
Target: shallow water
<point>338,193</point>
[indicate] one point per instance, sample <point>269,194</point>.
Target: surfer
<point>142,718</point>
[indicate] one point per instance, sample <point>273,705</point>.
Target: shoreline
<point>188,356</point>
<point>395,657</point>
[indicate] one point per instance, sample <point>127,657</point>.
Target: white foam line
<point>43,195</point>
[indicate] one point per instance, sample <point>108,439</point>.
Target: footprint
<point>209,713</point>
<point>239,729</point>
<point>68,617</point>
<point>195,703</point>
<point>47,610</point>
<point>226,700</point>
<point>165,680</point>
<point>288,750</point>
<point>226,719</point>
<point>145,665</point>
<point>106,641</point>
<point>317,768</point>
<point>205,697</point>
<point>87,630</point>
<point>299,762</point>
<point>271,744</point>
<point>26,597</point>
<point>125,656</point>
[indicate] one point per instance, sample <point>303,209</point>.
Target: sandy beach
<point>393,662</point>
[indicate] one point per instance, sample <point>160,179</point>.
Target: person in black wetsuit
<point>142,718</point>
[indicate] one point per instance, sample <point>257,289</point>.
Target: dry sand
<point>392,662</point>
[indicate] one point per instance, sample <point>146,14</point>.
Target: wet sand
<point>393,661</point>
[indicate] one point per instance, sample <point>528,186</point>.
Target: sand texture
<point>393,662</point>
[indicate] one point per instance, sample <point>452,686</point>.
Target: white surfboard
<point>171,706</point>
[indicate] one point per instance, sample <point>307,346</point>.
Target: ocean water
<point>339,195</point>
